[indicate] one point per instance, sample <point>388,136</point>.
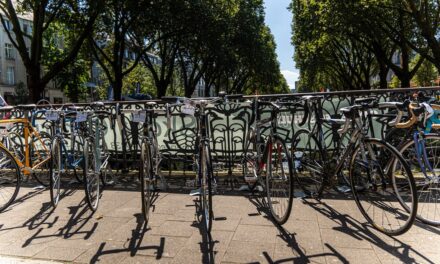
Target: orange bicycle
<point>13,165</point>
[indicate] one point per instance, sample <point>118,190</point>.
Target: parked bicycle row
<point>392,185</point>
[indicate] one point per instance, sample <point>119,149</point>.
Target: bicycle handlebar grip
<point>345,127</point>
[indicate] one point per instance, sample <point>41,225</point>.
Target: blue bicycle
<point>421,149</point>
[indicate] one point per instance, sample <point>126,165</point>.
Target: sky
<point>279,19</point>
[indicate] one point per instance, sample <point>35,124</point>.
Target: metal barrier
<point>228,126</point>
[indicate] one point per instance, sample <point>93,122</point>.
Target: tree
<point>80,16</point>
<point>426,74</point>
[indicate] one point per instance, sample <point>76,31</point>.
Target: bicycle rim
<point>55,172</point>
<point>307,156</point>
<point>145,177</point>
<point>10,177</point>
<point>206,192</point>
<point>279,184</point>
<point>91,177</point>
<point>428,185</point>
<point>379,200</point>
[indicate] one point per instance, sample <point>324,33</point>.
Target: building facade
<point>12,70</point>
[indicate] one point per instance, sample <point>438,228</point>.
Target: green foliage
<point>142,76</point>
<point>426,74</point>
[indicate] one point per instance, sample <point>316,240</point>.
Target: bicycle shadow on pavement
<point>361,231</point>
<point>134,245</point>
<point>289,238</point>
<point>207,244</point>
<point>80,215</point>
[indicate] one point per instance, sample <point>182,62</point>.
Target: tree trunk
<point>36,88</point>
<point>383,72</point>
<point>161,89</point>
<point>117,88</point>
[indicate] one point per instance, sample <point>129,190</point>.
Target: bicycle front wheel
<point>10,177</point>
<point>308,161</point>
<point>383,187</point>
<point>279,184</point>
<point>145,175</point>
<point>428,182</point>
<point>206,188</point>
<point>91,175</point>
<point>55,171</point>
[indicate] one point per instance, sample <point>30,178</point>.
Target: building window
<point>57,100</point>
<point>10,75</point>
<point>9,51</point>
<point>8,25</point>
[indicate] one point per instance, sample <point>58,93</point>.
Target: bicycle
<point>150,158</point>
<point>268,163</point>
<point>13,167</point>
<point>422,151</point>
<point>381,181</point>
<point>203,161</point>
<point>66,148</point>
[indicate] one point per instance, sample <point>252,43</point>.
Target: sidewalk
<point>330,231</point>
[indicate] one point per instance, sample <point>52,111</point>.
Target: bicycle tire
<point>41,174</point>
<point>249,160</point>
<point>280,211</point>
<point>77,151</point>
<point>10,173</point>
<point>205,189</point>
<point>145,171</point>
<point>427,189</point>
<point>55,171</point>
<point>91,176</point>
<point>380,184</point>
<point>308,160</point>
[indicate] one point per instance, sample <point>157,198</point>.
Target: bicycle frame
<point>422,156</point>
<point>29,131</point>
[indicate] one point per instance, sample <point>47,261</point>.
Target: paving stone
<point>106,252</point>
<point>174,228</point>
<point>59,253</point>
<point>159,246</point>
<point>15,249</point>
<point>328,231</point>
<point>247,252</point>
<point>257,234</point>
<point>350,255</point>
<point>343,238</point>
<point>146,259</point>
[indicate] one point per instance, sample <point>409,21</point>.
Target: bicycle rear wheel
<point>279,181</point>
<point>307,156</point>
<point>145,173</point>
<point>91,175</point>
<point>55,171</point>
<point>428,185</point>
<point>10,178</point>
<point>40,150</point>
<point>383,187</point>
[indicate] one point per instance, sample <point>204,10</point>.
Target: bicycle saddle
<point>151,103</point>
<point>7,108</point>
<point>26,106</point>
<point>334,122</point>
